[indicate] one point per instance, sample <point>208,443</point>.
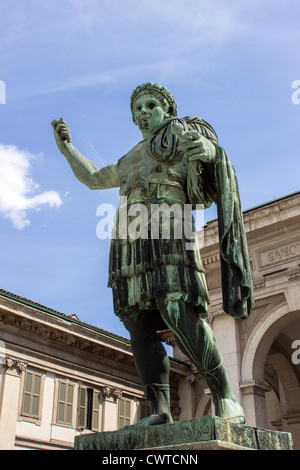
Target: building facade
<point>261,353</point>
<point>60,377</point>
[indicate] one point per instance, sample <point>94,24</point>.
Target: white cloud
<point>19,194</point>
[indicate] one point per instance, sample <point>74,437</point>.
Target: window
<point>65,403</point>
<point>124,412</point>
<point>88,408</point>
<point>31,395</point>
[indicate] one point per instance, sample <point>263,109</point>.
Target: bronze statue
<point>158,283</point>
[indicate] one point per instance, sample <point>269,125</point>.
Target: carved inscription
<point>282,253</point>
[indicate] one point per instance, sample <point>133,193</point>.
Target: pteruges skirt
<point>144,269</point>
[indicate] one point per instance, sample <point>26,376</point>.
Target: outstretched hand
<point>192,143</point>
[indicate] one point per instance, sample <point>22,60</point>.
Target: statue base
<point>205,433</point>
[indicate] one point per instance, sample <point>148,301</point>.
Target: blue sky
<point>231,62</point>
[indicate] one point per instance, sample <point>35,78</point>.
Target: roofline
<point>68,318</point>
<point>51,311</point>
<point>259,206</point>
<point>277,199</point>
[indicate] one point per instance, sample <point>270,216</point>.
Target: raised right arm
<point>84,170</point>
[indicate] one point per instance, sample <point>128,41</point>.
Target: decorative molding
<point>67,339</point>
<point>294,275</point>
<point>22,365</point>
<point>212,315</point>
<point>111,393</point>
<point>276,210</point>
<point>211,259</point>
<point>190,377</point>
<point>117,393</point>
<point>15,366</point>
<point>259,283</point>
<point>254,387</point>
<point>106,391</point>
<point>9,362</point>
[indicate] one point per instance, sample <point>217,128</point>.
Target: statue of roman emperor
<point>157,283</point>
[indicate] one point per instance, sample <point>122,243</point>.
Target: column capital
<point>212,315</point>
<point>111,393</point>
<point>254,387</point>
<point>14,366</point>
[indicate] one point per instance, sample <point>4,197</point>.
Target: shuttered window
<point>65,403</point>
<point>88,408</point>
<point>124,412</point>
<point>31,394</point>
<point>96,412</point>
<point>82,407</point>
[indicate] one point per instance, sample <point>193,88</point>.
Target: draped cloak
<point>146,267</point>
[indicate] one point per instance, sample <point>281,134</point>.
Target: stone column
<point>226,332</point>
<point>254,402</point>
<point>10,402</point>
<point>186,397</point>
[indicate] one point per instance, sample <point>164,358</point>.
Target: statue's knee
<point>172,311</point>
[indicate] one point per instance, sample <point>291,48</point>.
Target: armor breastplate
<point>144,178</point>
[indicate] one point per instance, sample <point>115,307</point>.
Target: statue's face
<point>149,113</point>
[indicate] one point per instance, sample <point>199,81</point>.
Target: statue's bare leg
<point>153,366</point>
<point>197,341</point>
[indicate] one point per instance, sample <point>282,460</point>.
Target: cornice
<point>262,216</point>
<point>65,337</point>
<point>72,319</point>
<point>212,259</point>
<point>50,333</point>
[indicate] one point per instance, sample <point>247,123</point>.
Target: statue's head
<point>155,102</point>
<point>162,93</point>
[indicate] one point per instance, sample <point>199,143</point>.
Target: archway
<point>270,378</point>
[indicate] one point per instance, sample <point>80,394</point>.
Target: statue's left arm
<point>199,145</point>
<point>195,146</point>
<point>212,178</point>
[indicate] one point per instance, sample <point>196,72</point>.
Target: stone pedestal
<point>205,433</point>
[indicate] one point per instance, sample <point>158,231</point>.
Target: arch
<point>204,405</point>
<point>261,339</point>
<point>288,381</point>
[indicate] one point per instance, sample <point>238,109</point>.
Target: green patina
<point>158,283</point>
<point>181,435</point>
